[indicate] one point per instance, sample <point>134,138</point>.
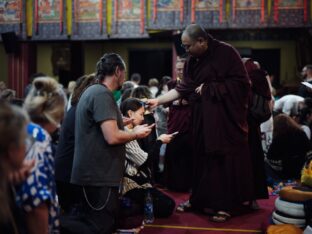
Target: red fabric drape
<point>305,11</point>
<point>20,67</point>
<point>262,12</point>
<point>75,20</point>
<point>61,16</point>
<point>221,11</point>
<point>101,15</point>
<point>193,3</point>
<point>276,11</point>
<point>116,14</point>
<point>181,10</point>
<point>233,9</point>
<point>20,16</point>
<point>36,16</point>
<point>142,16</point>
<point>154,11</point>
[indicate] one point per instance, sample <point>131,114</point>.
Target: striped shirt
<point>136,174</point>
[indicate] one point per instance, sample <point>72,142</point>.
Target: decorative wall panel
<point>168,14</point>
<point>104,19</point>
<point>89,19</point>
<point>248,13</point>
<point>129,19</point>
<point>12,16</point>
<point>49,20</point>
<point>208,12</point>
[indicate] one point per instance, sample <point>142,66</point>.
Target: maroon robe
<point>179,116</point>
<point>222,166</point>
<point>260,86</point>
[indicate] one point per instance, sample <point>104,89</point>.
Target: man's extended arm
<point>168,97</point>
<point>113,135</point>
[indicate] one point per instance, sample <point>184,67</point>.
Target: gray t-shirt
<point>96,163</point>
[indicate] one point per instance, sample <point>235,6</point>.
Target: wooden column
<point>21,66</point>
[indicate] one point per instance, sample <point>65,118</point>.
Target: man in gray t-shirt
<point>95,106</point>
<point>99,146</point>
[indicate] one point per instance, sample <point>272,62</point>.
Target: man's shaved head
<point>195,31</point>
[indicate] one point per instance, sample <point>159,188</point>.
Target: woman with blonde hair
<point>45,105</point>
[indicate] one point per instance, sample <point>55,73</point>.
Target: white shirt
<point>288,104</point>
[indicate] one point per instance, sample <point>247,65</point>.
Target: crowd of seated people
<point>36,190</point>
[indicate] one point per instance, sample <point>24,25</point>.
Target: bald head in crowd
<point>195,40</point>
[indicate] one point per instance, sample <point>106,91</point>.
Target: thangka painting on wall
<point>129,10</point>
<point>168,5</point>
<point>10,11</point>
<point>168,14</point>
<point>207,5</point>
<point>49,11</point>
<point>89,17</point>
<point>248,4</point>
<point>129,19</point>
<point>49,19</point>
<point>247,13</point>
<point>87,10</point>
<point>290,4</point>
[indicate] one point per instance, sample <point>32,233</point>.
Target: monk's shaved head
<point>195,31</point>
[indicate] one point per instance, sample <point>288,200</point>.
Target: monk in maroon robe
<point>217,87</point>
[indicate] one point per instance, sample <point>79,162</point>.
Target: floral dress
<point>40,185</point>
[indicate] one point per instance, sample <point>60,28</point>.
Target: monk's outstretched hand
<point>152,103</point>
<point>199,89</point>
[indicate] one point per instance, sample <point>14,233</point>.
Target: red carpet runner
<point>189,223</point>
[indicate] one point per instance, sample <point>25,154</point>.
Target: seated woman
<point>137,177</point>
<point>45,105</point>
<point>287,153</point>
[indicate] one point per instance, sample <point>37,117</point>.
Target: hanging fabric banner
<point>90,19</point>
<point>109,10</point>
<point>305,11</point>
<point>275,9</point>
<point>76,15</point>
<point>61,16</point>
<point>262,12</point>
<point>129,19</point>
<point>49,20</point>
<point>233,10</point>
<point>221,11</point>
<point>12,16</point>
<point>311,9</point>
<point>193,11</point>
<point>154,10</point>
<point>142,17</point>
<point>269,7</point>
<point>21,16</point>
<point>69,18</point>
<point>116,15</point>
<point>36,17</point>
<point>227,9</point>
<point>101,16</point>
<point>181,11</point>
